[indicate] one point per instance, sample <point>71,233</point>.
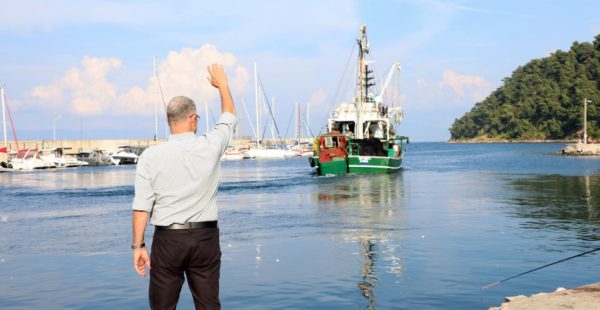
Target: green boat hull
<point>359,165</point>
<point>335,167</point>
<point>373,164</point>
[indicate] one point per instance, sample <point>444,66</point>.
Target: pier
<point>584,297</point>
<point>75,146</point>
<point>581,149</point>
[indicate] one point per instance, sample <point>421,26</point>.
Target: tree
<point>542,99</point>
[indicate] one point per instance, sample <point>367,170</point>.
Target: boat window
<point>328,142</point>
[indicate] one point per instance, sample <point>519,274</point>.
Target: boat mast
<point>3,116</point>
<point>206,113</point>
<point>308,132</point>
<point>298,124</point>
<point>272,119</point>
<point>155,102</point>
<point>363,49</point>
<point>257,107</point>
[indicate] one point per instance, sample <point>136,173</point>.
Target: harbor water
<point>457,217</point>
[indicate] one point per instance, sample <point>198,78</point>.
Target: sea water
<point>457,217</point>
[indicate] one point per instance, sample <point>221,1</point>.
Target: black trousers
<point>195,252</point>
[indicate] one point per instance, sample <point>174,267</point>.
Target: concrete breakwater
<point>76,146</point>
<point>581,149</point>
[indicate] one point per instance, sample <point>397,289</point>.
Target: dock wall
<point>581,149</point>
<point>76,146</point>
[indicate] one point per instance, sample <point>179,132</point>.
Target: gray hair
<point>179,108</point>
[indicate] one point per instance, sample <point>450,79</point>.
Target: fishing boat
<point>360,136</point>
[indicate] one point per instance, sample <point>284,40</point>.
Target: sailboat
<point>361,137</point>
<point>4,149</point>
<point>260,152</point>
<point>300,148</point>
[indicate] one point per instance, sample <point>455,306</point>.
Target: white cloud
<point>88,91</point>
<point>318,98</point>
<point>469,86</point>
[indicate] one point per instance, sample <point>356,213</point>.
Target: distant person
<point>176,184</point>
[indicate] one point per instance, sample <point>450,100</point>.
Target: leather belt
<point>188,225</point>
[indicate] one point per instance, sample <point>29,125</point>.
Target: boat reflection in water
<point>369,210</point>
<point>569,204</point>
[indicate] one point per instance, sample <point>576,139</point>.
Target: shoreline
<point>495,140</point>
<point>583,297</point>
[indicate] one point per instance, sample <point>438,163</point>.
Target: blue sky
<point>91,61</point>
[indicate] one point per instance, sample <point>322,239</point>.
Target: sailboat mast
<point>257,106</point>
<point>308,132</point>
<point>273,120</point>
<point>155,102</point>
<point>206,113</point>
<point>298,124</point>
<point>3,116</point>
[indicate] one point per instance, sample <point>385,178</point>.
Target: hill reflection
<point>551,202</point>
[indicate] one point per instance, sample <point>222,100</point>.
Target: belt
<point>188,225</point>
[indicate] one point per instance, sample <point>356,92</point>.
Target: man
<point>176,184</point>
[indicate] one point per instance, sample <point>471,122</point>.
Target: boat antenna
<point>532,270</point>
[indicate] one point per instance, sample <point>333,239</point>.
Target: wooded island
<point>542,100</point>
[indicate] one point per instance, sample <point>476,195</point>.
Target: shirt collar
<point>182,136</point>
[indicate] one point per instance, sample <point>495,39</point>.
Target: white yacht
<point>57,157</point>
<point>128,155</point>
<point>28,159</point>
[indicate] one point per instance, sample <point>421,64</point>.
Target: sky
<point>85,68</point>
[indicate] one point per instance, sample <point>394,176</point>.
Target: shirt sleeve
<point>144,195</point>
<point>223,132</point>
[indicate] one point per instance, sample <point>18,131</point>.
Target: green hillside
<point>541,100</point>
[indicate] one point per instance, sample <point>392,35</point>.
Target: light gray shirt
<point>177,181</point>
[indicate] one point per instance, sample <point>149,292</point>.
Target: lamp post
<point>54,130</point>
<point>585,104</point>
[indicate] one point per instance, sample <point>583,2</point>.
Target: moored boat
<point>232,154</point>
<point>57,157</point>
<point>361,137</point>
<point>28,159</point>
<point>128,155</point>
<point>94,157</point>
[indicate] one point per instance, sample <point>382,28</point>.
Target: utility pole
<point>54,129</point>
<point>585,103</point>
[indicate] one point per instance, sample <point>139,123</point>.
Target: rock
<point>513,298</point>
<point>584,297</point>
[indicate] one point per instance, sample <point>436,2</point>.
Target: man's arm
<point>218,79</point>
<point>140,255</point>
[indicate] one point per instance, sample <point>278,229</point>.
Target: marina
<point>280,156</point>
<point>454,218</point>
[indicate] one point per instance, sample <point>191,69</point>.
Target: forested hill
<point>541,100</point>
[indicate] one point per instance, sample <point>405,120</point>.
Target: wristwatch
<point>138,245</point>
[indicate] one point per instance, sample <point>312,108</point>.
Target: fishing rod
<point>532,270</point>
